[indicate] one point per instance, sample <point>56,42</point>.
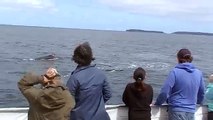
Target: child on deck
<point>138,97</point>
<point>209,97</point>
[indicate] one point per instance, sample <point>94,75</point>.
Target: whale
<point>47,57</point>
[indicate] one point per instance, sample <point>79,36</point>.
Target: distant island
<point>138,30</point>
<point>178,32</point>
<point>192,33</point>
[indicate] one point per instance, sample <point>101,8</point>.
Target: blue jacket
<point>183,89</point>
<point>209,96</point>
<point>91,90</point>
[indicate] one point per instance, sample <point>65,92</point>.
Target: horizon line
<point>139,30</point>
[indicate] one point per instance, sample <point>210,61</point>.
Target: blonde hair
<point>211,78</point>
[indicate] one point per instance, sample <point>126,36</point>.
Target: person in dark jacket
<point>89,86</point>
<point>51,102</point>
<point>183,89</point>
<point>138,96</point>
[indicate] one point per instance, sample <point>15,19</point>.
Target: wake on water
<point>122,67</point>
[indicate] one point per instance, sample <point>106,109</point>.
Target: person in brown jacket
<point>138,96</point>
<point>51,102</point>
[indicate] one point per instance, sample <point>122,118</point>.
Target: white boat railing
<point>116,112</point>
<point>120,112</point>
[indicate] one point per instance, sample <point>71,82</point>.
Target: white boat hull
<point>116,112</point>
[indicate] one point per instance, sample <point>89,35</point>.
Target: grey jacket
<point>91,90</point>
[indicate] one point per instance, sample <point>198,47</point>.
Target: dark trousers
<point>210,115</point>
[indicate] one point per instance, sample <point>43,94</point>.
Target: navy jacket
<point>91,90</point>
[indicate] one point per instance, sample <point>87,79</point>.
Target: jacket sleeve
<point>26,86</point>
<point>72,85</point>
<point>106,91</point>
<point>125,96</point>
<point>166,89</point>
<point>201,92</point>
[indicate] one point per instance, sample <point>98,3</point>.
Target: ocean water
<point>117,53</point>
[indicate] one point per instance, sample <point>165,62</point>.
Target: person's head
<point>211,78</point>
<point>83,54</point>
<point>184,55</point>
<point>139,75</point>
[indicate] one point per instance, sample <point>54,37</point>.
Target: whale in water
<point>47,57</point>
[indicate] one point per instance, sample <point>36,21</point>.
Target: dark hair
<point>139,76</point>
<point>83,54</point>
<point>184,55</point>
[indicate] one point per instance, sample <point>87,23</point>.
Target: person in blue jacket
<point>209,97</point>
<point>89,86</point>
<point>183,89</point>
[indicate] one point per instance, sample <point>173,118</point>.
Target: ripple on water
<point>11,98</point>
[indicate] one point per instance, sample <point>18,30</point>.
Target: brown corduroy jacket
<point>52,102</point>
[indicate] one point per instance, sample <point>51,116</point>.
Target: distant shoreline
<point>177,32</point>
<point>128,30</point>
<point>192,33</point>
<point>138,30</point>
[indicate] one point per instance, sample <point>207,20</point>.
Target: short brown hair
<point>83,54</point>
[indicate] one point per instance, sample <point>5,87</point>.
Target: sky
<point>160,15</point>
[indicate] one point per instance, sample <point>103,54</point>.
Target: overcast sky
<point>161,15</point>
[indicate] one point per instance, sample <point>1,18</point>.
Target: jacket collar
<point>80,68</point>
